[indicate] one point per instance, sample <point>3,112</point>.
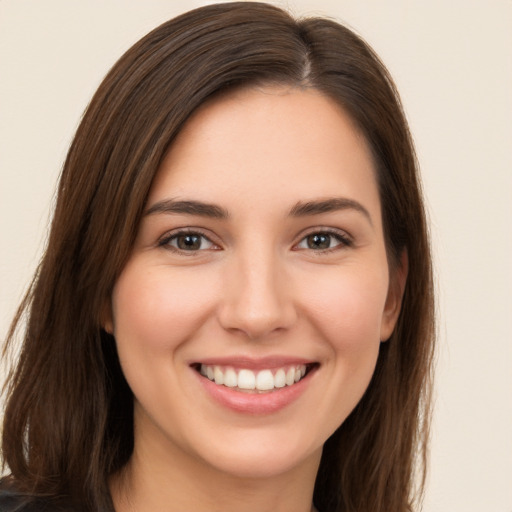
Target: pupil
<point>319,241</point>
<point>189,242</point>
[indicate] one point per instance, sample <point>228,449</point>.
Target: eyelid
<point>164,240</point>
<point>342,236</point>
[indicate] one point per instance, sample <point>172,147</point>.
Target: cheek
<point>348,307</point>
<point>346,310</point>
<point>159,309</point>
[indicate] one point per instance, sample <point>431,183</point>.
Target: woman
<point>234,310</point>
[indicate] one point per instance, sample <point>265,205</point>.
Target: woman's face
<point>260,257</point>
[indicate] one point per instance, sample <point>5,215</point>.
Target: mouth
<point>255,381</point>
<point>255,386</point>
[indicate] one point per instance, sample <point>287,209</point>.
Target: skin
<point>256,286</point>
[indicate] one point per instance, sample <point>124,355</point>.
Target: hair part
<point>68,419</point>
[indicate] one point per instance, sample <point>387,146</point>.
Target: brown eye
<point>318,241</point>
<point>323,241</point>
<point>188,242</point>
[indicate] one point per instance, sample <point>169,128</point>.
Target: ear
<point>106,317</point>
<point>397,281</point>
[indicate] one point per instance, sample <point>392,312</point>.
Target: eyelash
<point>342,239</point>
<point>165,242</point>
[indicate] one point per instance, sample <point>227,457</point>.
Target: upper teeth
<point>263,380</point>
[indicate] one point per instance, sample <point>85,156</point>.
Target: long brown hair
<point>68,417</point>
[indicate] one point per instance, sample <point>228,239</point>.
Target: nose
<point>257,301</point>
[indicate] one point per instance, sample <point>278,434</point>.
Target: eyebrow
<point>302,209</point>
<point>188,207</point>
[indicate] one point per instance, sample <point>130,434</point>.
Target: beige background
<point>452,61</point>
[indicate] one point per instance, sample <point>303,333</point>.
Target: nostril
<point>257,325</point>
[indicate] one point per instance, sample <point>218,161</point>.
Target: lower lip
<point>255,403</point>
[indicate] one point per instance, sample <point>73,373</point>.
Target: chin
<point>254,455</point>
<point>264,465</point>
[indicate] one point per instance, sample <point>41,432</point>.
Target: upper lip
<point>251,363</point>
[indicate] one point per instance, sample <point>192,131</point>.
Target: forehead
<point>269,144</point>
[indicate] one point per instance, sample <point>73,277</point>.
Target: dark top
<point>11,501</point>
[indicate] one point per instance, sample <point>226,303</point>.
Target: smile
<point>255,386</point>
<point>246,380</point>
